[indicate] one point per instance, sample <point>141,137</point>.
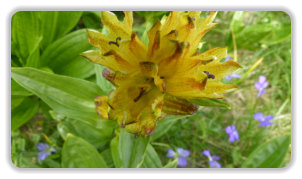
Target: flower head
<point>156,79</point>
<point>212,159</point>
<point>45,151</point>
<point>232,132</point>
<point>264,120</point>
<point>261,85</point>
<point>181,156</point>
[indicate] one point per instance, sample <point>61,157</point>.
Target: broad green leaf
<point>92,19</point>
<point>172,164</point>
<point>17,90</point>
<point>77,153</point>
<point>104,84</point>
<point>63,55</point>
<point>151,159</point>
<point>210,102</point>
<point>164,125</point>
<point>33,59</point>
<point>270,154</point>
<point>26,33</point>
<point>106,154</point>
<point>24,112</point>
<point>16,101</point>
<point>68,96</point>
<point>132,149</point>
<point>114,148</point>
<point>56,24</point>
<point>97,132</point>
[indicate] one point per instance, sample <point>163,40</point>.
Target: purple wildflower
<point>181,156</point>
<point>227,58</point>
<point>212,159</point>
<point>261,85</point>
<point>232,132</point>
<point>264,120</point>
<point>45,151</point>
<point>228,78</point>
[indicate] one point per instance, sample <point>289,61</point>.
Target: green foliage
<point>63,55</point>
<point>69,96</point>
<point>24,112</point>
<point>210,102</point>
<point>77,153</point>
<point>151,159</point>
<point>56,24</point>
<point>132,149</point>
<point>96,132</point>
<point>270,154</point>
<point>26,34</point>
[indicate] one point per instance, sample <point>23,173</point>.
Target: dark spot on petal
<point>209,75</point>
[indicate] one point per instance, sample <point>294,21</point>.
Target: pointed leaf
<point>95,131</point>
<point>210,102</point>
<point>172,164</point>
<point>55,24</point>
<point>131,149</point>
<point>77,153</point>
<point>24,112</point>
<point>164,125</point>
<point>63,55</point>
<point>151,159</point>
<point>26,33</point>
<point>270,154</point>
<point>68,96</point>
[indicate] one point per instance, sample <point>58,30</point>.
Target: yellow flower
<point>157,79</point>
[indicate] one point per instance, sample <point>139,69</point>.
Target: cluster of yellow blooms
<point>156,79</point>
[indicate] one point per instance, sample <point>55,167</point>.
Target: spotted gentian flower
<point>181,156</point>
<point>158,77</point>
<point>228,78</point>
<point>261,85</point>
<point>232,132</point>
<point>45,151</point>
<point>212,159</point>
<point>264,120</point>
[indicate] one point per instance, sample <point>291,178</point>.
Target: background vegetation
<point>52,88</point>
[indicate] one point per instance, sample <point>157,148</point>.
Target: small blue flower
<point>212,159</point>
<point>232,132</point>
<point>227,58</point>
<point>264,120</point>
<point>261,85</point>
<point>181,156</point>
<point>228,78</point>
<point>45,151</point>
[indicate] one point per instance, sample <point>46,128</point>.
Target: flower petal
<point>178,106</point>
<point>102,107</point>
<point>269,117</point>
<point>265,123</point>
<point>228,130</point>
<point>262,79</point>
<point>207,153</point>
<point>116,27</point>
<point>170,153</point>
<point>215,157</point>
<point>43,155</point>
<point>42,146</point>
<point>259,116</point>
<point>182,152</point>
<point>220,70</point>
<point>182,161</point>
